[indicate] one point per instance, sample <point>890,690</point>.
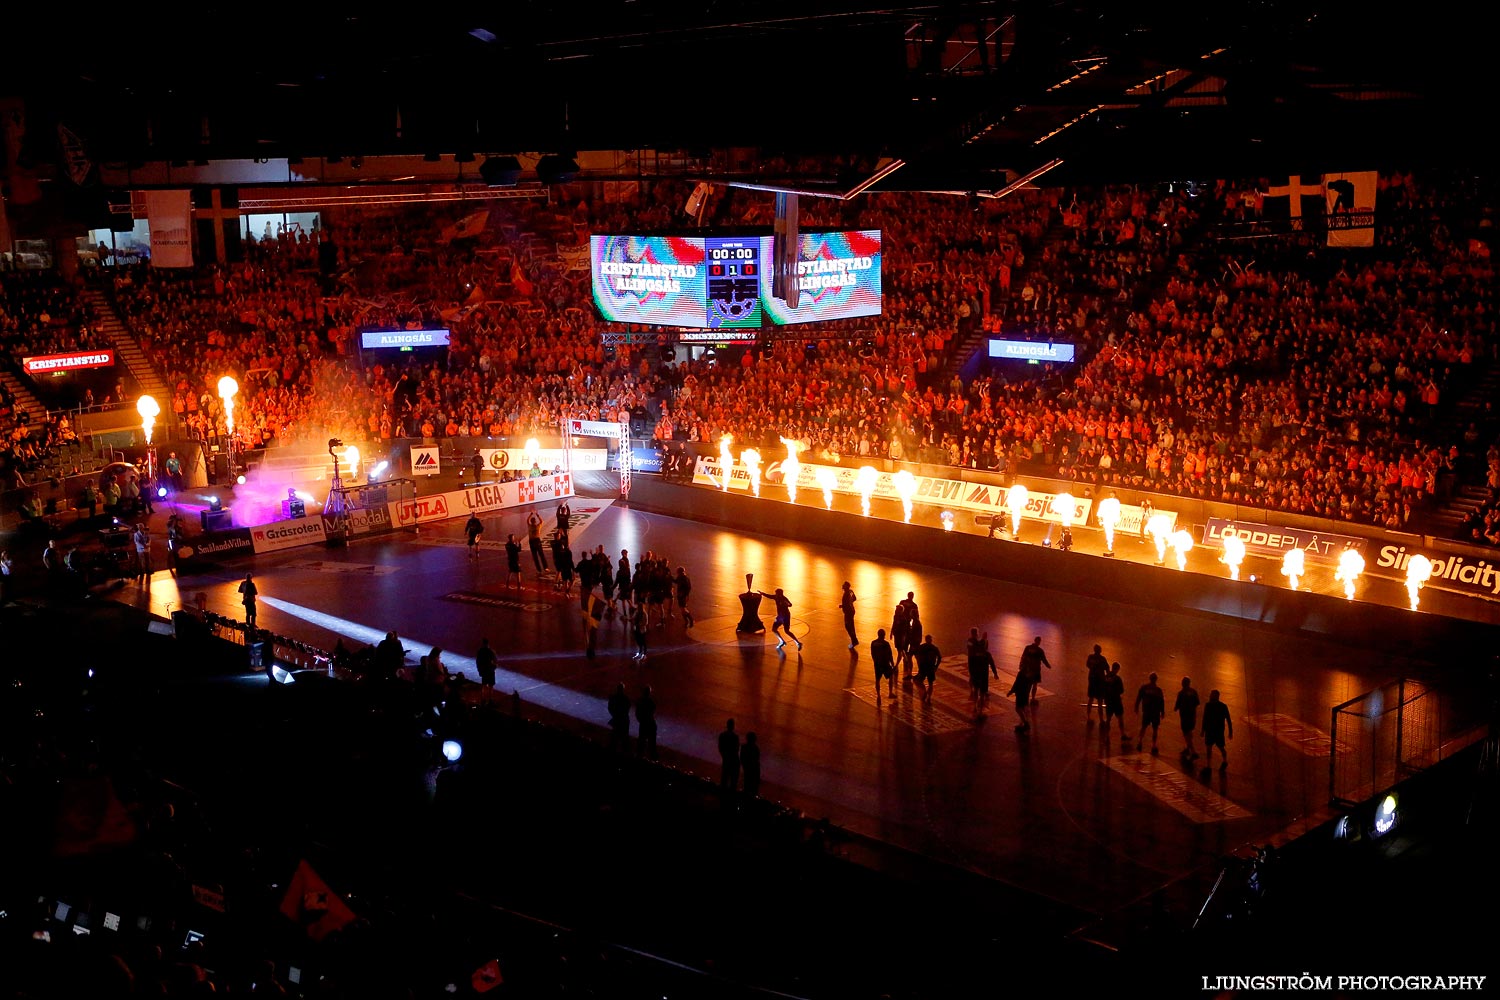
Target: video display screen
<point>657,280</point>
<point>838,277</point>
<point>403,339</point>
<point>713,283</point>
<point>1029,350</point>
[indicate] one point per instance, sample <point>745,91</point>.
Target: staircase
<point>25,400</point>
<point>108,323</point>
<point>1467,496</point>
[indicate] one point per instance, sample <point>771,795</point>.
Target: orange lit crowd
<point>1259,371</point>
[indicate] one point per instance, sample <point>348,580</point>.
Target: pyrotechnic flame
<point>1159,527</point>
<point>906,488</point>
<point>791,468</point>
<point>1351,565</point>
<point>726,460</point>
<point>1109,519</point>
<point>351,459</point>
<point>1015,502</point>
<point>826,480</point>
<point>1418,572</point>
<point>1182,544</point>
<point>864,481</point>
<point>228,389</point>
<point>1064,503</point>
<point>1234,554</point>
<point>947,518</point>
<point>1292,566</point>
<point>751,458</point>
<point>149,409</point>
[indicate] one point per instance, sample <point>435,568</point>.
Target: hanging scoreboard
<point>724,282</point>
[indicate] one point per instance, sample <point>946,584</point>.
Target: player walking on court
<point>783,618</point>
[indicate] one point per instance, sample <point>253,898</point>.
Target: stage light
<point>239,480</point>
<point>1385,815</point>
<point>214,503</point>
<point>381,467</point>
<point>161,493</point>
<point>281,676</point>
<point>452,750</point>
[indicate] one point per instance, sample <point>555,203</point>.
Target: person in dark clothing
<point>1216,728</point>
<point>484,662</point>
<point>1098,669</point>
<point>248,590</point>
<point>640,625</point>
<point>1114,699</point>
<point>1186,707</point>
<point>846,605</point>
<point>477,463</point>
<point>564,513</point>
<point>981,668</point>
<point>588,576</point>
<point>1150,705</point>
<point>750,764</point>
<point>928,657</point>
<point>622,582</point>
<point>564,563</point>
<point>729,758</point>
<point>619,720</point>
<point>473,529</point>
<point>389,656</point>
<point>684,587</point>
<point>885,662</point>
<point>645,717</point>
<point>512,560</point>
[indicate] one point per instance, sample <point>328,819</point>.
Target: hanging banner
<point>425,461</point>
<point>1350,211</point>
<point>593,428</point>
<point>169,214</point>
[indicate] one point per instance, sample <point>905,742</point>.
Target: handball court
<point>1068,813</point>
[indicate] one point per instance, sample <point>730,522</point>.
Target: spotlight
<point>1385,815</point>
<point>161,493</point>
<point>452,750</point>
<point>240,480</point>
<point>214,503</point>
<point>281,676</point>
<point>378,469</point>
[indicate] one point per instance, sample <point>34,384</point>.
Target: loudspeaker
<point>500,171</point>
<point>552,169</point>
<point>219,470</point>
<point>121,223</point>
<point>215,520</point>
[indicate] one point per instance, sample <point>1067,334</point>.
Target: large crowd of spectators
<point>1261,372</point>
<point>39,314</point>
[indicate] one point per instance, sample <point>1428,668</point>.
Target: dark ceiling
<point>961,91</point>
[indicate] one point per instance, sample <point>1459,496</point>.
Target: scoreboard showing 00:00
<point>724,282</point>
<point>733,282</point>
